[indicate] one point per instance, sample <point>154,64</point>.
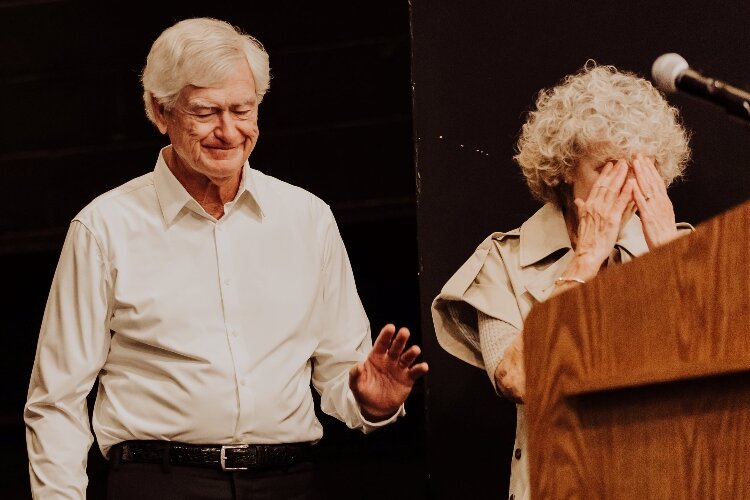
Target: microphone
<point>671,72</point>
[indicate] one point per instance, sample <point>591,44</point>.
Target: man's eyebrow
<point>250,101</point>
<point>201,103</point>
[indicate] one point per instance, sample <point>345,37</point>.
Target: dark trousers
<point>141,481</point>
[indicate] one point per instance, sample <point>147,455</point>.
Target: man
<point>205,296</point>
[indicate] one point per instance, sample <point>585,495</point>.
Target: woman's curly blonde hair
<point>598,111</point>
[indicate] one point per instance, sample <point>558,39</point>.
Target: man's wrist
<point>375,416</point>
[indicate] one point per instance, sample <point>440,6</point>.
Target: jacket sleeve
<point>480,284</point>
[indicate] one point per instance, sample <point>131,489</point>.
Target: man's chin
<point>229,161</point>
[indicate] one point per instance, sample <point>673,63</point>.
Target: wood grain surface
<point>638,383</point>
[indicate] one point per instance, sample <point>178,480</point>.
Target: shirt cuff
<point>368,426</point>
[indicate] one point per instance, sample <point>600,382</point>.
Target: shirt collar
<point>173,196</point>
<point>545,232</point>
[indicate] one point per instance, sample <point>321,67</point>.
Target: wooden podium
<point>638,383</point>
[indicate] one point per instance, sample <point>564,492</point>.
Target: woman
<point>600,147</point>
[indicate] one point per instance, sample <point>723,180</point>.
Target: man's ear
<point>159,115</point>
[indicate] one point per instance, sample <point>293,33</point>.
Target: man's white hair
<point>199,52</point>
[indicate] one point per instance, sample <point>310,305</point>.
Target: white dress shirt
<point>200,330</point>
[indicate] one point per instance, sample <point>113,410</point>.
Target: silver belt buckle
<point>223,455</point>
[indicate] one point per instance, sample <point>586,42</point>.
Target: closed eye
<point>244,112</point>
<point>203,112</point>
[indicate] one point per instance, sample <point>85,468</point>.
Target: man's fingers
<point>398,343</point>
<point>408,357</point>
<point>381,344</point>
<point>416,371</point>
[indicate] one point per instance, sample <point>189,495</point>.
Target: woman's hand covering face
<point>600,217</point>
<point>654,206</point>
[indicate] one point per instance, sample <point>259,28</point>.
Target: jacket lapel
<point>545,233</point>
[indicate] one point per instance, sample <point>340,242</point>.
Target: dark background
<point>341,120</point>
<point>477,66</point>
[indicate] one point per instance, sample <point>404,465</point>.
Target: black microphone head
<point>666,69</point>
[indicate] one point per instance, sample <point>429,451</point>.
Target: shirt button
<point>234,333</point>
<point>517,454</point>
<point>227,281</point>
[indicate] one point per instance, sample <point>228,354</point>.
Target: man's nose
<point>227,129</point>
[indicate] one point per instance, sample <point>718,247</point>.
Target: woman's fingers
<point>649,180</point>
<point>654,206</point>
<point>609,184</point>
<point>603,183</point>
<point>610,195</point>
<point>620,174</point>
<point>599,217</point>
<point>620,205</point>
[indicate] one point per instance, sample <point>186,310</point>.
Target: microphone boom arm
<point>735,100</point>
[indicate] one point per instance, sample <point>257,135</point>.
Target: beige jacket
<point>507,274</point>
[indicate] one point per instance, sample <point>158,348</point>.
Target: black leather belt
<point>227,457</point>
